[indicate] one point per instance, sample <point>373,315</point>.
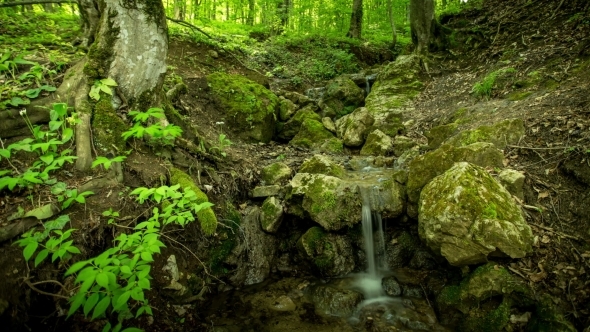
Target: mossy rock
<point>291,127</point>
<point>342,96</point>
<point>547,318</point>
<point>286,109</point>
<point>354,128</point>
<point>320,164</point>
<point>311,135</point>
<point>108,127</point>
<point>206,216</point>
<point>251,108</point>
<point>396,85</point>
<point>222,249</point>
<point>327,200</point>
<point>482,320</point>
<point>330,254</point>
<point>377,144</point>
<point>275,173</point>
<point>424,168</point>
<point>465,215</point>
<point>519,95</point>
<point>509,131</point>
<point>437,135</point>
<point>271,214</point>
<point>332,146</point>
<point>401,144</point>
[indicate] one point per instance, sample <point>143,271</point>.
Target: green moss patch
<point>311,135</point>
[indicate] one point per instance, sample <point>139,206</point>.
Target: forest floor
<point>549,52</point>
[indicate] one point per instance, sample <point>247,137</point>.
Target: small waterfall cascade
<point>369,80</point>
<point>374,241</point>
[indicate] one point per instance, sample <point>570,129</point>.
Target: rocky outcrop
<point>275,173</point>
<point>465,215</point>
<point>271,215</point>
<point>320,164</point>
<point>354,128</point>
<point>330,254</point>
<point>291,127</point>
<point>513,181</point>
<point>342,96</point>
<point>312,135</point>
<point>377,144</point>
<point>506,132</point>
<point>330,301</point>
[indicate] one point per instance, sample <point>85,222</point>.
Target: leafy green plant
<point>57,243</point>
<point>112,214</point>
<point>71,195</point>
<point>8,65</point>
<point>103,85</point>
<point>484,88</point>
<point>106,162</point>
<point>158,135</point>
<point>222,143</point>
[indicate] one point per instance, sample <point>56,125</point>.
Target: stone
<point>331,301</point>
<point>312,135</point>
<point>291,127</point>
<point>509,131</point>
<point>286,109</point>
<point>213,54</point>
<point>466,215</point>
<point>354,128</point>
<point>320,164</point>
<point>406,158</point>
<point>377,144</point>
<point>284,304</point>
<point>513,181</point>
<point>299,99</point>
<point>401,144</point>
<point>331,254</point>
<point>332,146</point>
<point>391,286</point>
<point>424,168</point>
<point>252,121</point>
<point>341,97</point>
<point>275,173</point>
<point>329,124</point>
<point>437,135</point>
<point>265,191</point>
<point>271,214</point>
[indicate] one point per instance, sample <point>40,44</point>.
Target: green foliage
<point>158,135</point>
<point>106,162</point>
<point>71,195</point>
<point>103,85</point>
<point>484,88</point>
<point>222,143</point>
<point>56,244</point>
<point>112,214</point>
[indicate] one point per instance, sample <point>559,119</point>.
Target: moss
<point>269,214</point>
<point>547,318</point>
<point>221,250</point>
<point>101,51</point>
<point>322,165</point>
<point>206,216</point>
<point>311,135</point>
<point>437,135</point>
<point>332,145</point>
<point>275,173</point>
<point>509,131</point>
<point>449,296</point>
<point>488,321</point>
<point>315,246</point>
<point>515,96</point>
<point>108,127</point>
<point>153,9</point>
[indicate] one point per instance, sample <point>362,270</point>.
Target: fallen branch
<point>36,2</point>
<point>45,293</point>
<point>188,25</point>
<point>13,230</point>
<point>549,229</point>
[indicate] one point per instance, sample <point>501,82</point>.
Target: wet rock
<point>465,215</point>
<point>377,144</point>
<point>513,181</point>
<point>286,109</point>
<point>328,200</point>
<point>251,121</point>
<point>291,127</point>
<point>315,93</point>
<point>329,124</point>
<point>275,173</point>
<point>255,253</point>
<point>332,146</point>
<point>330,301</point>
<point>354,128</point>
<point>506,132</point>
<point>422,260</point>
<point>311,135</point>
<point>284,304</point>
<point>401,144</point>
<point>412,291</point>
<point>391,286</point>
<point>298,98</point>
<point>401,250</point>
<point>271,214</point>
<point>320,164</point>
<point>265,191</point>
<point>341,97</point>
<point>424,168</point>
<point>406,158</point>
<point>330,253</point>
<point>437,135</point>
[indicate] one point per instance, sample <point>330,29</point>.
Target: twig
<point>45,293</point>
<point>549,229</point>
<point>553,15</point>
<point>188,25</point>
<point>531,148</point>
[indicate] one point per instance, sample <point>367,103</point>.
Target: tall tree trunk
<point>283,11</point>
<point>392,23</point>
<point>251,12</point>
<point>422,24</point>
<point>356,20</point>
<point>89,18</point>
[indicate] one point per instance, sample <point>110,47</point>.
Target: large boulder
<point>313,135</point>
<point>251,108</point>
<point>424,168</point>
<point>330,254</point>
<point>286,109</point>
<point>509,131</point>
<point>271,214</point>
<point>320,164</point>
<point>331,301</point>
<point>275,173</point>
<point>354,128</point>
<point>291,127</point>
<point>465,215</point>
<point>377,144</point>
<point>342,96</point>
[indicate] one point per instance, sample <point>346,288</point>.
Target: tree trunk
<point>422,24</point>
<point>89,18</point>
<point>356,20</point>
<point>392,23</point>
<point>251,12</point>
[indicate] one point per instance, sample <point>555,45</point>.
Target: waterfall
<point>370,283</point>
<point>367,85</point>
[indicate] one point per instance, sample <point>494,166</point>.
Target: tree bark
<point>392,23</point>
<point>251,12</point>
<point>356,20</point>
<point>422,24</point>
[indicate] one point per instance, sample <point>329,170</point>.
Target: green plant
<point>56,245</point>
<point>110,213</point>
<point>484,88</point>
<point>158,135</point>
<point>71,195</point>
<point>106,163</point>
<point>222,143</point>
<point>103,85</point>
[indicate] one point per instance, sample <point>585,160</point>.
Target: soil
<point>553,155</point>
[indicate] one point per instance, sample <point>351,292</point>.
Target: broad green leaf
<point>107,327</point>
<point>47,158</point>
<point>144,283</point>
<point>108,81</point>
<point>122,300</point>
<point>132,329</point>
<point>67,134</point>
<point>94,93</point>
<point>16,101</point>
<point>125,269</point>
<point>88,282</point>
<point>5,153</point>
<point>76,267</point>
<point>32,93</point>
<point>103,280</point>
<point>78,299</point>
<point>41,256</point>
<point>30,250</point>
<point>73,250</point>
<point>101,307</point>
<point>90,303</point>
<point>106,89</point>
<point>55,125</point>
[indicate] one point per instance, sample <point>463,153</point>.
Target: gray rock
<point>275,173</point>
<point>465,215</point>
<point>513,181</point>
<point>330,301</point>
<point>320,164</point>
<point>286,109</point>
<point>341,97</point>
<point>329,124</point>
<point>265,191</point>
<point>291,127</point>
<point>271,214</point>
<point>354,128</point>
<point>391,286</point>
<point>377,144</point>
<point>401,144</point>
<point>330,253</point>
<point>284,304</point>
